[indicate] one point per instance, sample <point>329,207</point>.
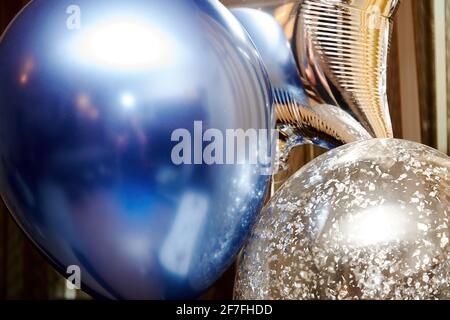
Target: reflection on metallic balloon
<point>86,117</point>
<point>325,125</point>
<point>369,220</point>
<point>341,49</point>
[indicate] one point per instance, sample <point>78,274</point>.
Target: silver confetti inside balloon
<point>369,220</point>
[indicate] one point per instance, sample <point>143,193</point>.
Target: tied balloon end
<point>325,126</point>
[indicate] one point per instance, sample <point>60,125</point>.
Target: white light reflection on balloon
<point>126,44</point>
<point>377,225</point>
<point>128,100</point>
<point>178,248</point>
<point>270,27</point>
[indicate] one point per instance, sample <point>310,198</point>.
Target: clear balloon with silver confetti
<point>369,220</point>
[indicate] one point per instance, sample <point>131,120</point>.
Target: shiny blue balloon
<point>94,99</point>
<point>275,50</point>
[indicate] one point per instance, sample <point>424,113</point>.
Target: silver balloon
<point>369,220</point>
<point>340,48</point>
<point>298,122</point>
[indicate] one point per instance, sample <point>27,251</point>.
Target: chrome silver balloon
<point>369,220</point>
<point>340,48</point>
<point>297,122</point>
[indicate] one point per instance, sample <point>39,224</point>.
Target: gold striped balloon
<point>341,47</point>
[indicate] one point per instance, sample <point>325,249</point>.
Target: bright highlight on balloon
<point>126,44</point>
<point>377,225</point>
<point>128,100</point>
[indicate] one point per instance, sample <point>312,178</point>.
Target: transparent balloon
<point>369,220</point>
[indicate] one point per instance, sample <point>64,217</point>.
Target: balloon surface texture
<point>369,220</point>
<point>92,96</point>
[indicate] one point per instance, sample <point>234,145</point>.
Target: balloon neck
<point>325,126</point>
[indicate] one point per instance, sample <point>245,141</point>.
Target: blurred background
<point>419,98</point>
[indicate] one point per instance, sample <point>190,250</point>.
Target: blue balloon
<point>275,50</point>
<point>95,100</point>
